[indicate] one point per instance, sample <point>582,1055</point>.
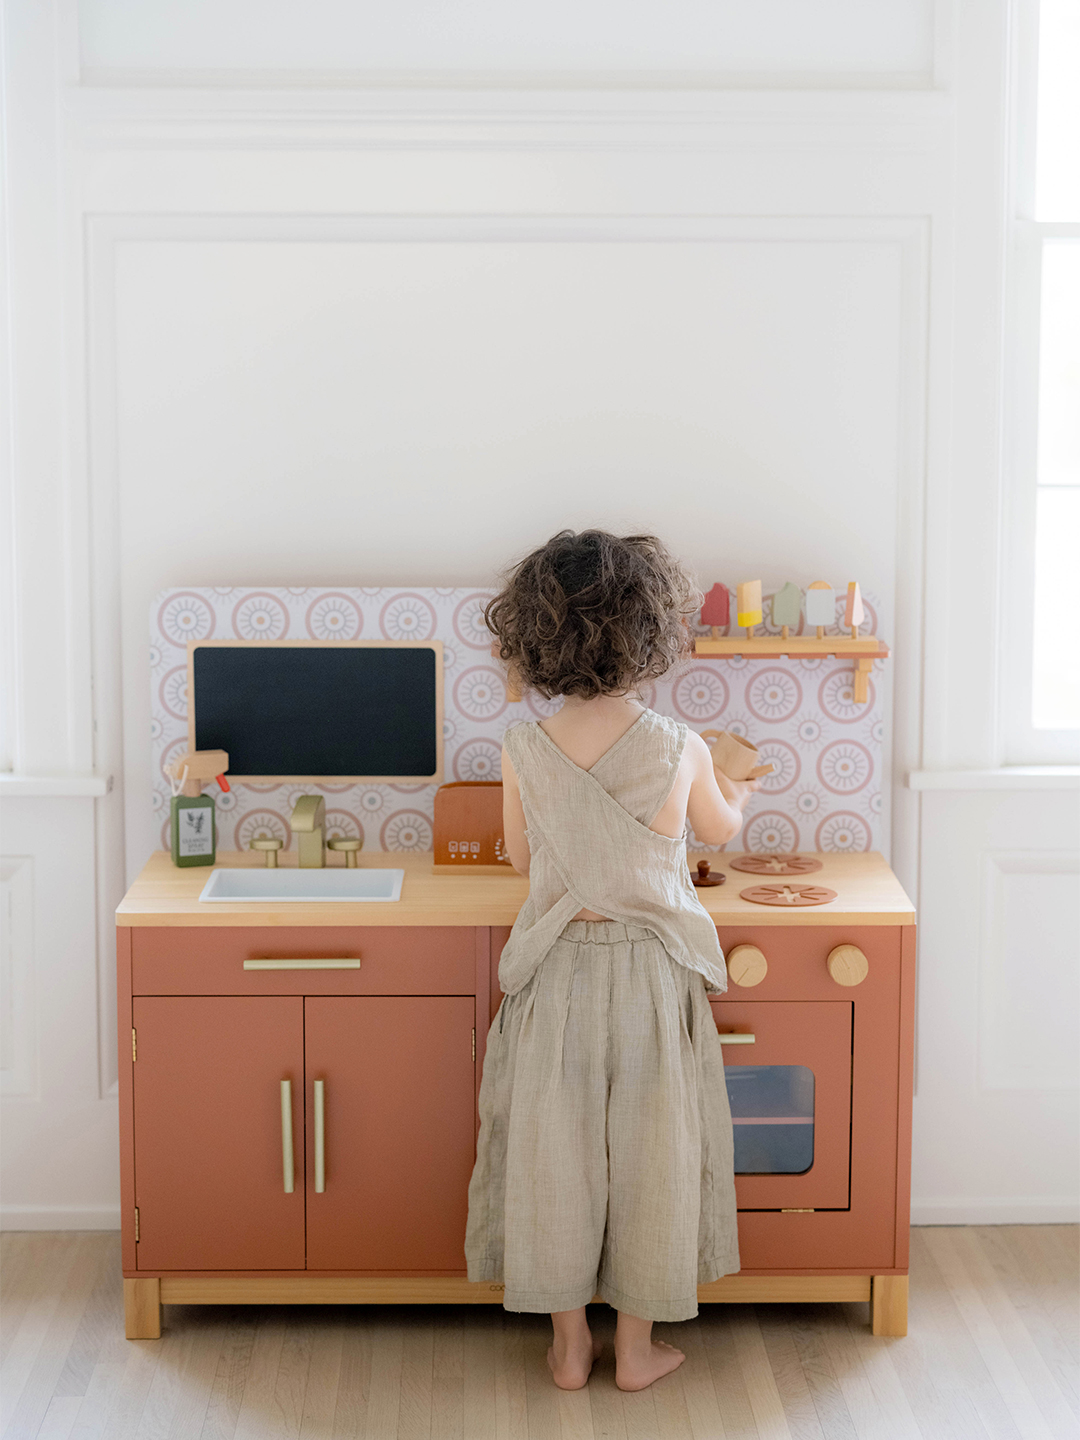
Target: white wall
<point>324,294</point>
<point>454,399</point>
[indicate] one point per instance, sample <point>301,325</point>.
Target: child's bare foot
<point>637,1369</point>
<point>571,1364</point>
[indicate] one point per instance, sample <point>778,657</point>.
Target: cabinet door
<point>209,1134</point>
<point>397,1078</point>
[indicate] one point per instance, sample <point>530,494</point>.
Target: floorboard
<point>993,1353</point>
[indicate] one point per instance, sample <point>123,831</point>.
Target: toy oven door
<point>790,1094</point>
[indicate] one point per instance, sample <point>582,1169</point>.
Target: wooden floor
<point>992,1352</point>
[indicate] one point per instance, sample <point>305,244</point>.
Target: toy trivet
<point>776,864</point>
<point>704,878</point>
<point>788,895</point>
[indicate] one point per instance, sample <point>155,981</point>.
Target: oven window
<point>772,1112</point>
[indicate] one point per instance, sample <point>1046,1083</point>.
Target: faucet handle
<point>349,845</point>
<point>271,846</point>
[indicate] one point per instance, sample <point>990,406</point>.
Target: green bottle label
<point>193,827</point>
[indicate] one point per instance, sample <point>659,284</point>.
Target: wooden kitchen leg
<point>888,1304</point>
<point>142,1309</point>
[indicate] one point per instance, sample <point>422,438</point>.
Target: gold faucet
<point>309,824</point>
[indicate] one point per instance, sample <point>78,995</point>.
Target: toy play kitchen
<point>298,1113</point>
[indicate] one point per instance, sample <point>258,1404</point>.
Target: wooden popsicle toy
<point>748,605</point>
<point>820,612</point>
<point>716,611</point>
<point>786,607</point>
<point>854,613</point>
<point>820,606</point>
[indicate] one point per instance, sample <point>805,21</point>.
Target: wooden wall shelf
<point>865,650</point>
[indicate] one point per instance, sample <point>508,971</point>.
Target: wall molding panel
<point>1029,982</point>
<point>906,238</point>
<point>18,1014</point>
<point>482,46</point>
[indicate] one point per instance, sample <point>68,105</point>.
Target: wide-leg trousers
<point>604,1160</point>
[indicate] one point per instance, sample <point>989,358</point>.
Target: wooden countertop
<point>868,893</point>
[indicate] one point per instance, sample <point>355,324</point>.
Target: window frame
<point>1027,237</point>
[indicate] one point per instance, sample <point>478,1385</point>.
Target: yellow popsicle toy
<point>748,605</point>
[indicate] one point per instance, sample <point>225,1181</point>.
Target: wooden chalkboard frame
<point>434,645</point>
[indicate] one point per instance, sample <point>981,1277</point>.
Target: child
<point>604,1163</point>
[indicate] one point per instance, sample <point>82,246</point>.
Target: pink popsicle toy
<point>854,613</point>
<point>716,611</point>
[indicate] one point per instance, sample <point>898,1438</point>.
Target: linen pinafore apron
<point>604,1160</point>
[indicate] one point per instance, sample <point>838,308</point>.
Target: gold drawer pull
<point>728,1037</point>
<point>302,964</point>
<point>287,1171</point>
<point>320,1138</point>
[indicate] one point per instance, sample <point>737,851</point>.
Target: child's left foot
<point>571,1366</point>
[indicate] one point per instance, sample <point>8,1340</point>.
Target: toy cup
<point>736,757</point>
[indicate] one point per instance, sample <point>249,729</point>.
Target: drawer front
<point>197,960</point>
<point>796,962</point>
<point>790,1094</point>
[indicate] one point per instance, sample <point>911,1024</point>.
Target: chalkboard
<point>354,710</point>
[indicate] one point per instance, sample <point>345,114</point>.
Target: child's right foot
<point>637,1370</point>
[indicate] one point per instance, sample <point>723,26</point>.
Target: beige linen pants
<point>604,1161</point>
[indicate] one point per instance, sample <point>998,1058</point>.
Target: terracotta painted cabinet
<point>224,1181</point>
<point>208,1131</point>
<point>397,1077</point>
<point>299,1109</point>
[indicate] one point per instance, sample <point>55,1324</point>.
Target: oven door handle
<point>733,1037</point>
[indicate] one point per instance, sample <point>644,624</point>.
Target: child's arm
<point>716,802</point>
<point>517,847</point>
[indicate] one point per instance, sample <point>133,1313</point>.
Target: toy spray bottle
<point>192,819</point>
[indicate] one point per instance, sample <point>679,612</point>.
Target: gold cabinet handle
<point>287,1169</point>
<point>320,1138</point>
<point>353,964</point>
<point>736,1038</point>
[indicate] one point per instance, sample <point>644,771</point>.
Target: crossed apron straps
<point>575,791</point>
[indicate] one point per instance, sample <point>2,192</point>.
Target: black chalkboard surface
<point>324,711</point>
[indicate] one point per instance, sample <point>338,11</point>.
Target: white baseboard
<point>1024,1211</point>
<point>59,1217</point>
<point>1010,1210</point>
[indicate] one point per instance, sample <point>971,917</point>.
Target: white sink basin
<point>303,885</point>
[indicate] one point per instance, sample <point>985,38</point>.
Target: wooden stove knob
<point>848,965</point>
<point>746,965</point>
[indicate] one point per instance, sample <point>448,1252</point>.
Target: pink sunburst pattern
<point>407,830</point>
<point>334,616</point>
<point>822,739</point>
<point>260,616</point>
<point>700,695</point>
<point>843,831</point>
<point>408,617</point>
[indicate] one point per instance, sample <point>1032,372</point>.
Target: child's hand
<point>736,792</point>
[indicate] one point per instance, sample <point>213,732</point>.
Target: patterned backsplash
<point>825,792</point>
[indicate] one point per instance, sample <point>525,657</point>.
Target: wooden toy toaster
<point>469,828</point>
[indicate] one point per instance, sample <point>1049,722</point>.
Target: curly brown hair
<point>593,614</point>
